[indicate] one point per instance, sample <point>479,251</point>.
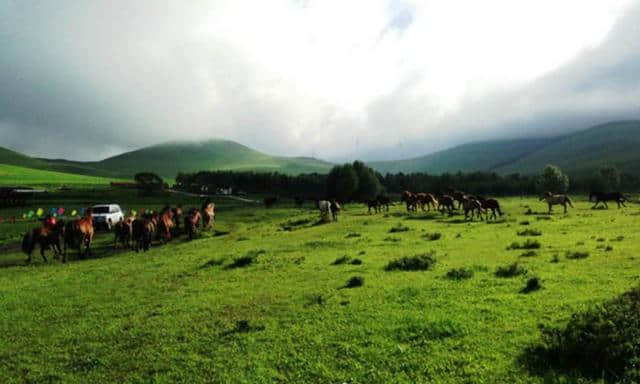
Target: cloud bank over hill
<point>372,79</point>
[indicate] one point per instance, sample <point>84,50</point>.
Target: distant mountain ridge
<point>614,143</point>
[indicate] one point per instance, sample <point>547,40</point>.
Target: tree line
<point>358,182</point>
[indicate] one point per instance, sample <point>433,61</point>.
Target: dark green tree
<point>369,186</point>
<point>552,179</point>
<point>342,182</point>
<point>149,182</point>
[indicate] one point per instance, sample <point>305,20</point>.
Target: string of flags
<point>61,212</point>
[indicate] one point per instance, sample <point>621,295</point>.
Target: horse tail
<point>27,242</point>
<point>568,201</point>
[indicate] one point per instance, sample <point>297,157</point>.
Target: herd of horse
<point>139,232</point>
<point>130,232</point>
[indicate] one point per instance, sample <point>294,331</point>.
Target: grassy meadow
<point>265,297</point>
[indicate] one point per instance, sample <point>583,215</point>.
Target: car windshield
<point>100,209</point>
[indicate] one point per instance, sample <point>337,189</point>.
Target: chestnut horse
<point>165,224</point>
<point>123,232</point>
<point>143,229</point>
<point>79,233</point>
<point>446,202</point>
<point>410,200</point>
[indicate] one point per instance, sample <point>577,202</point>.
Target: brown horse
<point>410,200</point>
<point>123,231</point>
<point>79,233</point>
<point>335,209</point>
<point>426,199</point>
<point>472,205</point>
<point>47,236</point>
<point>458,196</point>
<point>165,224</point>
<point>604,197</point>
<point>191,222</point>
<point>177,217</point>
<point>552,200</point>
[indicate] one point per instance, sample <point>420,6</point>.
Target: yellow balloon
<point>39,212</point>
<point>74,212</point>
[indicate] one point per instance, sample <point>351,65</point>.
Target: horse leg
<point>605,204</point>
<point>43,247</point>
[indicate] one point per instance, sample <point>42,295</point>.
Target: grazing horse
<point>604,197</point>
<point>208,215</point>
<point>552,200</point>
<point>79,233</point>
<point>458,196</point>
<point>491,204</point>
<point>191,223</point>
<point>325,208</point>
<point>471,205</point>
<point>426,199</point>
<point>123,231</point>
<point>375,204</point>
<point>270,201</point>
<point>446,202</point>
<point>410,200</point>
<point>48,236</point>
<point>383,201</point>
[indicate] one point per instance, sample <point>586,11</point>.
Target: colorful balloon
<point>60,211</point>
<point>74,213</point>
<point>39,212</point>
<point>30,214</point>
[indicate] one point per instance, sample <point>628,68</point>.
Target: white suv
<point>106,215</point>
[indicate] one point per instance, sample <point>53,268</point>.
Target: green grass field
<point>14,175</point>
<point>183,313</point>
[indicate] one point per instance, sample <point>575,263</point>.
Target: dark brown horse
<point>79,233</point>
<point>123,232</point>
<point>335,209</point>
<point>490,204</point>
<point>48,237</point>
<point>191,223</point>
<point>604,197</point>
<point>177,217</point>
<point>458,196</point>
<point>143,229</point>
<point>383,201</point>
<point>446,202</point>
<point>373,204</point>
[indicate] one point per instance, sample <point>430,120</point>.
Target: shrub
<point>510,270</point>
<point>530,253</point>
<point>341,260</point>
<point>421,262</point>
<point>602,342</point>
<point>533,284</point>
<point>529,232</point>
<point>356,262</point>
<point>460,274</point>
<point>398,228</point>
<point>355,281</point>
<point>528,244</point>
<point>432,236</point>
<point>608,248</point>
<point>577,255</point>
<point>249,258</point>
<point>600,239</point>
<point>524,222</point>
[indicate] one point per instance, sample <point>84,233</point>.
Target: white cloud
<point>322,77</point>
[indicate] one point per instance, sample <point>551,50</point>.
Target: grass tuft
<point>574,255</point>
<point>510,270</point>
<point>420,262</point>
<point>460,274</point>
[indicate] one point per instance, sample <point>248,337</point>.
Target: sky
<point>367,79</point>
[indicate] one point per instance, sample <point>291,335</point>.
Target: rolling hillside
<point>169,159</point>
<point>478,156</point>
<point>581,153</point>
<point>11,175</point>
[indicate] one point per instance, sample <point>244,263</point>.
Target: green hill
<point>171,158</point>
<point>10,157</point>
<point>581,153</point>
<point>478,156</point>
<point>12,175</point>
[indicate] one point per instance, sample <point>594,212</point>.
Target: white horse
<point>325,209</point>
<point>556,200</point>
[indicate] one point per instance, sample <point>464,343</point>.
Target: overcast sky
<point>331,79</point>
